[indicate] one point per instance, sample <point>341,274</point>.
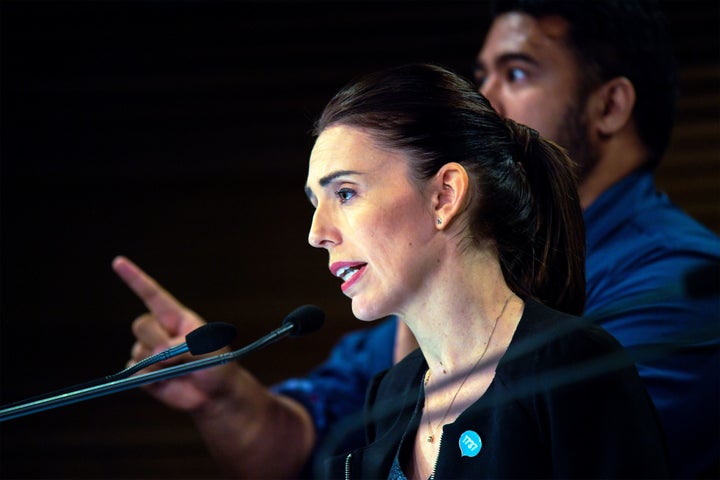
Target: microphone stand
<point>95,391</point>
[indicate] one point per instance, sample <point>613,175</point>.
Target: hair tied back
<point>523,138</point>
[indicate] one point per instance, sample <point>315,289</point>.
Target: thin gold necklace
<point>431,437</point>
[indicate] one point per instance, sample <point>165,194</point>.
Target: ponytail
<point>556,269</point>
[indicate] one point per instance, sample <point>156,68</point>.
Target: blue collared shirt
<point>643,255</point>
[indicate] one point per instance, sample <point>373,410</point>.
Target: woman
<point>469,229</point>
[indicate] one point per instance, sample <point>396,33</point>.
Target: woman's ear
<point>612,106</point>
<point>450,191</point>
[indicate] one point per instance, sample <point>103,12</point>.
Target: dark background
<point>177,133</point>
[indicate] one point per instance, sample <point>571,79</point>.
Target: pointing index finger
<point>158,300</point>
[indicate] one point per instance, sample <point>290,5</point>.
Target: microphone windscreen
<point>210,337</point>
<point>305,319</point>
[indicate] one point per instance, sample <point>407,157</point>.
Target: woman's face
<point>375,223</point>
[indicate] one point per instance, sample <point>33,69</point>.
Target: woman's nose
<point>322,233</point>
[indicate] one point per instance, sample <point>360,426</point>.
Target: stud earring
<point>439,221</point>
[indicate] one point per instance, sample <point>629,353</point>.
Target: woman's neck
<point>464,301</point>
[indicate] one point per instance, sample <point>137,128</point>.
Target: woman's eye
<point>345,194</point>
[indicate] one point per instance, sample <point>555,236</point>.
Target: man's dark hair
<point>613,38</point>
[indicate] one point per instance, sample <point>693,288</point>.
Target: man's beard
<point>573,135</point>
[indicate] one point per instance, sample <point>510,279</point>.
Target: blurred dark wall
<point>177,133</point>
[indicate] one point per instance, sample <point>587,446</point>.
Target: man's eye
<point>345,194</point>
<point>516,74</point>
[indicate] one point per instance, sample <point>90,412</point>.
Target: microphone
<point>304,320</point>
<point>204,339</point>
<point>301,321</point>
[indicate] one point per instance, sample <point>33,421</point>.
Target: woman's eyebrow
<point>327,179</point>
<point>324,181</point>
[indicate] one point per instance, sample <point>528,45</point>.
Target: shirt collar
<point>616,205</point>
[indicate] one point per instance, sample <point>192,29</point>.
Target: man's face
<point>530,75</point>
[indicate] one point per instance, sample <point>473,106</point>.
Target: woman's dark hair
<point>524,199</point>
<point>613,38</point>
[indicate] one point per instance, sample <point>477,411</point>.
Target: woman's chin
<point>362,312</point>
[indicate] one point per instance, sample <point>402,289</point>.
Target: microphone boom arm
<point>142,379</point>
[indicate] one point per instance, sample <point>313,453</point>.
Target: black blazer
<point>566,402</point>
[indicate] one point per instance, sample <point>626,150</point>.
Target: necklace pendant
<point>429,439</point>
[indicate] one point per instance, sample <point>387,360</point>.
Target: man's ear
<point>449,194</point>
<point>611,106</point>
